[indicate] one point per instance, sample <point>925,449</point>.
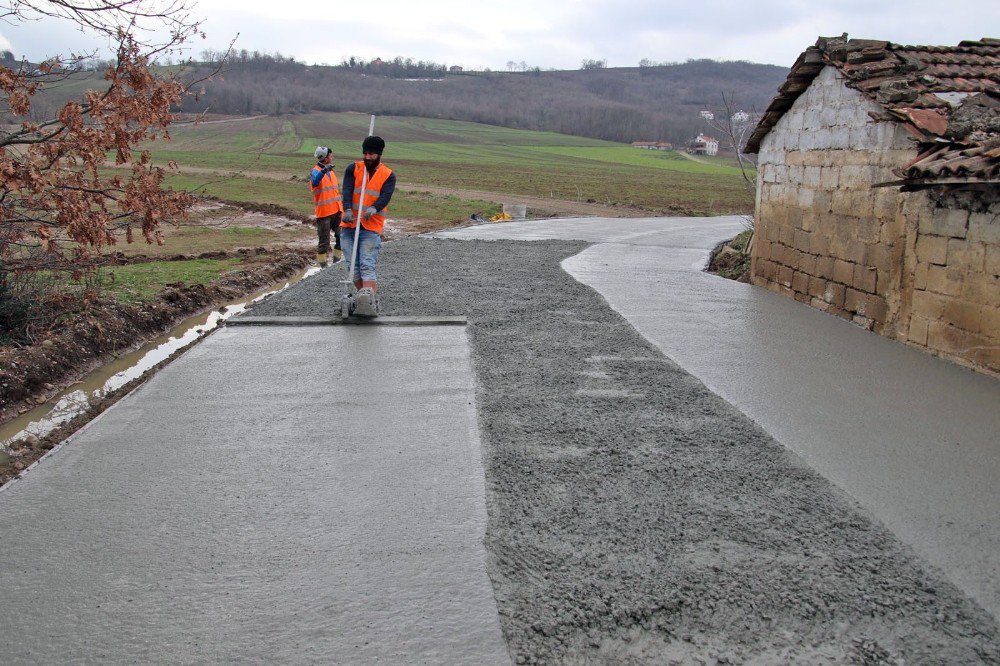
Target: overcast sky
<point>548,34</point>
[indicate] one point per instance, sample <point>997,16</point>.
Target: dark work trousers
<point>323,225</point>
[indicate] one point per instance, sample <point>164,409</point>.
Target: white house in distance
<point>705,145</point>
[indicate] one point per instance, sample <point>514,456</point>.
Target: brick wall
<point>900,264</point>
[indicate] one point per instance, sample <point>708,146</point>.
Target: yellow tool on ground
<point>501,217</point>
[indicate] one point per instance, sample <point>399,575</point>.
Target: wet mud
<point>636,517</point>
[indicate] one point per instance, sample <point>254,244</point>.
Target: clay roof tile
<point>903,80</point>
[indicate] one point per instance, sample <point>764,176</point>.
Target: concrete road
<point>266,498</point>
<point>913,438</point>
<point>245,505</point>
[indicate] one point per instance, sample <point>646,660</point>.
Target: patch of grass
<point>430,206</point>
<point>292,194</point>
<point>283,165</point>
<point>650,159</point>
<point>139,282</point>
<point>194,239</point>
<point>268,134</point>
<point>740,242</point>
<point>728,160</point>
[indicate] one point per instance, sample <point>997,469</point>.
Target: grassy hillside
<point>267,159</point>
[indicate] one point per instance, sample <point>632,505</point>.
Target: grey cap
<point>321,152</point>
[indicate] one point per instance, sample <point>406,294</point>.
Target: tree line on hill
<point>654,102</point>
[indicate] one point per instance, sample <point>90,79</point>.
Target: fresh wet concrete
<point>348,321</point>
<point>277,495</point>
<point>634,515</point>
<point>915,439</point>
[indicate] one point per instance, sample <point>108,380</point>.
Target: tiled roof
<point>947,96</point>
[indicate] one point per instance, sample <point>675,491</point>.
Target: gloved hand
<point>369,212</point>
<point>348,215</point>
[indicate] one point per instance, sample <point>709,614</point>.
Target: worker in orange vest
<point>328,202</point>
<point>370,206</point>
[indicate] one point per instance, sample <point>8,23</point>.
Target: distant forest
<point>654,102</point>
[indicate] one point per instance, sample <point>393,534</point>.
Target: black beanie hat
<point>373,144</point>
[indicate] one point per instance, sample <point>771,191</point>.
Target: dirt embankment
<point>731,260</point>
<point>30,375</point>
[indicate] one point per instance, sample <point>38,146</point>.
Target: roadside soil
<point>213,213</point>
<point>730,261</point>
<point>633,515</point>
<point>537,206</point>
<point>31,375</point>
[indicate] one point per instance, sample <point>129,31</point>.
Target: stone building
<point>878,194</point>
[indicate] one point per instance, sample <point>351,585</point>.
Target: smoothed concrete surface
<point>266,498</point>
<point>912,437</point>
<point>249,320</point>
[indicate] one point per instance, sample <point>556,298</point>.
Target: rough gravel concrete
<point>634,515</point>
<point>245,506</point>
<point>912,437</point>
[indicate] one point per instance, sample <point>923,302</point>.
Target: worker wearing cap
<point>328,202</point>
<point>370,207</point>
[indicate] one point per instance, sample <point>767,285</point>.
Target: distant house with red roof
<point>653,145</point>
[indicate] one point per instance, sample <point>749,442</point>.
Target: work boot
<point>321,259</point>
<point>338,255</point>
<point>365,303</point>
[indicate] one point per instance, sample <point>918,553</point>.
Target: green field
<point>137,282</point>
<point>261,156</point>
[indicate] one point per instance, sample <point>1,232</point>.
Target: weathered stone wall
<point>896,263</point>
<point>952,305</point>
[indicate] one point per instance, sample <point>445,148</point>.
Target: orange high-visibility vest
<point>326,195</point>
<point>372,191</point>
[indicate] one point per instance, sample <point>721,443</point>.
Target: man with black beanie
<point>370,208</point>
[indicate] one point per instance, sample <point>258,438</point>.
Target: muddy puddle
<point>78,397</point>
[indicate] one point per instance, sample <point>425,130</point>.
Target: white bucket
<point>516,211</point>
